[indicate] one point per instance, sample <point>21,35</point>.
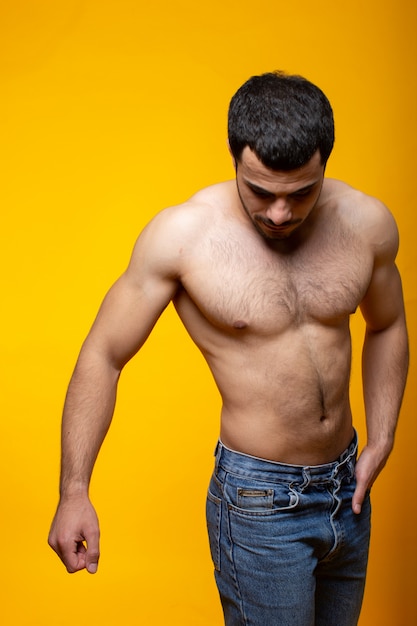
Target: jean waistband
<point>251,466</point>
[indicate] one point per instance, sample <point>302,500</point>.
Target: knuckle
<point>94,554</point>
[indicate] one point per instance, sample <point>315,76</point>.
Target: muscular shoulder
<point>368,219</point>
<point>170,238</point>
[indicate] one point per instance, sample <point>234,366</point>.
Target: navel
<point>239,324</point>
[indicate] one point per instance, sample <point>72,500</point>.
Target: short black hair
<point>283,118</point>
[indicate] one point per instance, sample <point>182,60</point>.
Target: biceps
<point>127,316</point>
<point>383,304</point>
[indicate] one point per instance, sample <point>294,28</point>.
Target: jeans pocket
<point>258,497</point>
<point>255,499</point>
<point>213,517</point>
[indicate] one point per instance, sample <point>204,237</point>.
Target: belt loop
<point>306,477</point>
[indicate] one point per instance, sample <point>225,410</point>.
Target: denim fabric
<point>286,546</point>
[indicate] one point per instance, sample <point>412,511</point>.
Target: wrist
<point>381,448</point>
<point>74,489</point>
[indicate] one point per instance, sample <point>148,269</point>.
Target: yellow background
<point>111,110</point>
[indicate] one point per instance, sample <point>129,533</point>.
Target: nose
<point>279,211</point>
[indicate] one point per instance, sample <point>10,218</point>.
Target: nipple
<point>239,324</point>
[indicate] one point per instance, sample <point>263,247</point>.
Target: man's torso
<point>273,324</point>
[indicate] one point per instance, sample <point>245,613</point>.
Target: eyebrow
<point>256,188</point>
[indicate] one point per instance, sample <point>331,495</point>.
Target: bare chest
<point>238,286</point>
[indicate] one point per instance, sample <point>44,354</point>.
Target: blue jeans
<point>286,546</point>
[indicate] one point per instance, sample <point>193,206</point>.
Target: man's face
<point>278,202</point>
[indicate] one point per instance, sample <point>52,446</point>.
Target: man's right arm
<point>126,317</point>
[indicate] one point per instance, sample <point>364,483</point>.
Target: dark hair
<point>284,119</point>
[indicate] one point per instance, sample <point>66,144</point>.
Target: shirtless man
<point>264,272</point>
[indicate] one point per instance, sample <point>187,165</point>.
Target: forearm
<point>384,368</point>
<point>87,416</point>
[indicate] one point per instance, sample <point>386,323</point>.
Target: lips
<point>279,228</point>
<point>275,227</point>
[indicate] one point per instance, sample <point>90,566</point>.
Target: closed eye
<point>300,194</point>
<point>259,192</point>
<point>262,194</point>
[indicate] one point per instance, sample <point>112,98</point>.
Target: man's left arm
<point>384,358</point>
